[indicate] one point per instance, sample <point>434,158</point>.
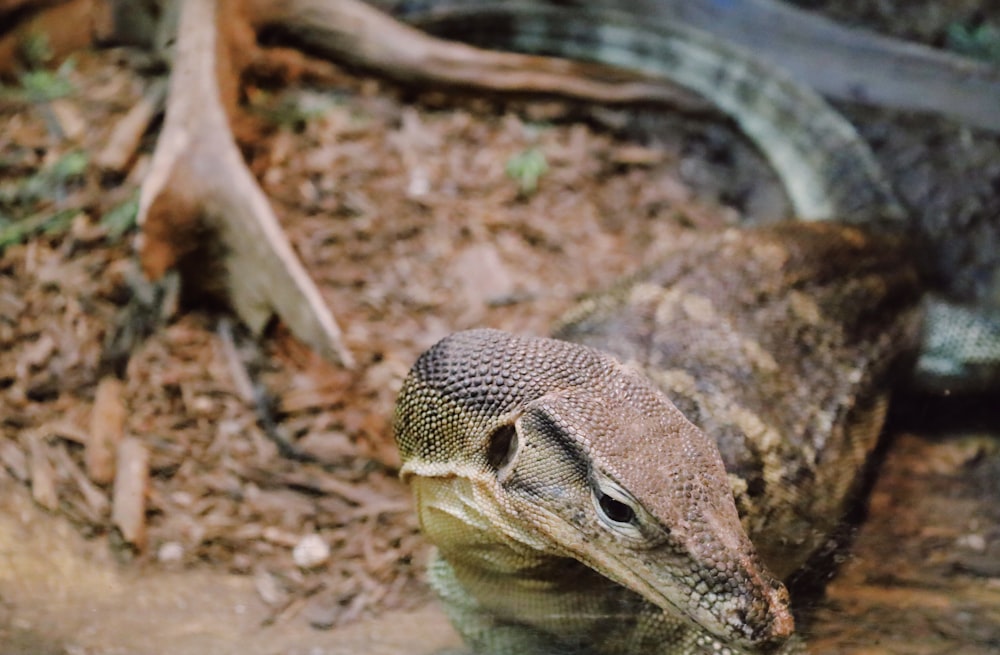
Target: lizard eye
<point>616,508</point>
<point>502,449</point>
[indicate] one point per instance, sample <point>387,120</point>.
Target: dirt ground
<point>400,204</point>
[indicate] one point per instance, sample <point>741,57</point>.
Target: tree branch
<point>198,182</point>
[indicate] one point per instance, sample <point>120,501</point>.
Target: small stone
<point>270,588</point>
<point>322,612</point>
<point>170,552</point>
<point>974,542</point>
<point>311,551</point>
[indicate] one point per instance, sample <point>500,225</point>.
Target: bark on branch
<point>352,31</point>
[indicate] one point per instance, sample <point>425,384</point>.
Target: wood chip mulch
<point>404,212</point>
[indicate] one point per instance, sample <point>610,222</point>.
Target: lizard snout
<point>766,618</point>
<point>780,621</point>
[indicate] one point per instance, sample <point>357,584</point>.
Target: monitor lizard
<point>583,503</point>
<point>651,500</point>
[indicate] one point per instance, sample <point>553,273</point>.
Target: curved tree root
<point>199,184</point>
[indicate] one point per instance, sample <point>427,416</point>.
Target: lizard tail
<point>826,168</point>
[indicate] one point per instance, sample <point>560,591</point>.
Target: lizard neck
<point>456,517</point>
<point>502,572</point>
<point>506,569</point>
<point>480,570</point>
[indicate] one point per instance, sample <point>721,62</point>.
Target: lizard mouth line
<point>705,619</point>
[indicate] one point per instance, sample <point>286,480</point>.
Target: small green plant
<point>292,109</point>
<point>121,218</point>
<point>44,86</point>
<point>35,50</point>
<point>46,184</point>
<point>38,203</point>
<point>38,86</point>
<point>526,168</point>
<point>41,86</point>
<point>26,204</point>
<point>15,232</point>
<point>981,42</point>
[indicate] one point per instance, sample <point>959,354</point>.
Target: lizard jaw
<point>752,613</point>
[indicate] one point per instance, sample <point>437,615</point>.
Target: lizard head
<point>565,453</point>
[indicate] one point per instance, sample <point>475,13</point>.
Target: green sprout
<point>982,42</point>
<point>15,232</point>
<point>292,109</point>
<point>46,184</point>
<point>35,50</point>
<point>46,187</point>
<point>526,168</point>
<point>121,218</point>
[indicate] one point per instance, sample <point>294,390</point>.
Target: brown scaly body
<point>780,354</point>
<point>574,508</point>
<point>772,350</point>
<point>781,343</point>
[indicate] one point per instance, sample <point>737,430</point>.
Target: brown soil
<point>399,204</point>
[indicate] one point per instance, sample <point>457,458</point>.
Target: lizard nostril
<point>782,621</point>
<point>767,617</point>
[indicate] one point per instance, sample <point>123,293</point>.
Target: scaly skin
<point>783,350</point>
<point>513,443</point>
<point>779,344</point>
<point>782,355</point>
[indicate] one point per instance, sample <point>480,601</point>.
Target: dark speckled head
<point>570,454</point>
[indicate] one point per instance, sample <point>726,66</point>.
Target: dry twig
<point>107,427</point>
<point>124,139</point>
<point>128,505</point>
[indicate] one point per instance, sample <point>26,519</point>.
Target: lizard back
<point>781,349</point>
